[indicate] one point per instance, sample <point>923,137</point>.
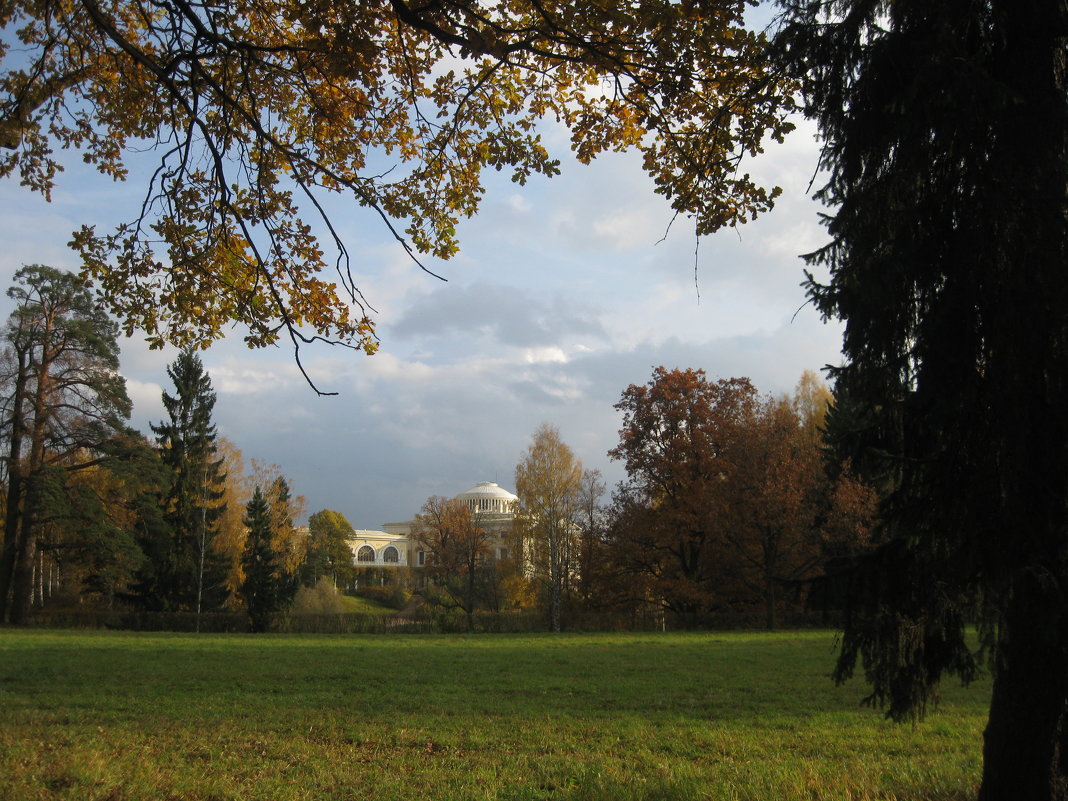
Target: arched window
<point>365,554</point>
<point>391,555</point>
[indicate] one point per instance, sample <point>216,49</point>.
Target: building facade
<point>394,546</point>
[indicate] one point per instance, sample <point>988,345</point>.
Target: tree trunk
<point>11,539</point>
<point>1026,739</point>
<point>770,600</point>
<point>14,485</point>
<point>25,560</point>
<point>1025,753</point>
<point>554,581</point>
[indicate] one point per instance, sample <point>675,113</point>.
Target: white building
<point>492,505</point>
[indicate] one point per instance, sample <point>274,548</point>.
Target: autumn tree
<point>591,520</point>
<point>945,129</point>
<point>95,546</point>
<point>190,574</point>
<point>459,571</point>
<point>231,531</point>
<point>811,402</point>
<point>258,113</point>
<point>327,552</point>
<point>779,486</point>
<point>287,542</point>
<point>547,482</point>
<point>680,446</point>
<point>65,402</point>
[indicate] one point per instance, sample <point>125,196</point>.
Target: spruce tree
<point>261,589</point>
<point>188,574</point>
<point>946,148</point>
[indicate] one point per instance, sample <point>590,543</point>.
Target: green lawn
<point>123,716</point>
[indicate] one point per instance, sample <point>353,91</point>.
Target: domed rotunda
<point>488,496</point>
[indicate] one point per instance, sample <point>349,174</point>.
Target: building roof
<point>487,489</point>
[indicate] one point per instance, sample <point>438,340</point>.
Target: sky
<point>565,292</point>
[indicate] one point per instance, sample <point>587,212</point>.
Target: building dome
<point>487,496</point>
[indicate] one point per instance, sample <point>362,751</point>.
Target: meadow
<point>113,716</point>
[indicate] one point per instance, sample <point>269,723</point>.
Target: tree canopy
<point>458,551</point>
<point>946,149</point>
<point>548,482</point>
<point>259,109</point>
<point>64,404</point>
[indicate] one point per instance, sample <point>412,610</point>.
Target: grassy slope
<point>124,716</point>
<point>364,606</point>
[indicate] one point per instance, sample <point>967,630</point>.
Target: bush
<point>322,599</point>
<point>392,596</point>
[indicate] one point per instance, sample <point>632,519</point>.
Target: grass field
<point>122,716</point>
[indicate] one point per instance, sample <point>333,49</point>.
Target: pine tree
<point>189,576</point>
<point>64,401</point>
<point>946,131</point>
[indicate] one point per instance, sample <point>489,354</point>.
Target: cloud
<point>625,229</point>
<point>147,397</point>
<point>562,296</point>
<point>239,377</point>
<point>518,203</point>
<point>498,313</point>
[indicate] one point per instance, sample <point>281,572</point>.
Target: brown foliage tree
<point>458,550</point>
<point>778,485</point>
<point>680,446</point>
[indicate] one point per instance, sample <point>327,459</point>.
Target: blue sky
<point>565,292</point>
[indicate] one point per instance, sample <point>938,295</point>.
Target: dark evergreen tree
<point>261,588</point>
<point>188,574</point>
<point>946,144</point>
<point>283,541</point>
<point>64,401</point>
<point>130,494</point>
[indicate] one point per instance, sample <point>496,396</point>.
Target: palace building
<point>393,546</point>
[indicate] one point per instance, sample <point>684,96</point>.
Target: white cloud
<point>252,377</point>
<point>147,397</point>
<point>550,355</point>
<point>626,229</point>
<point>519,203</point>
<point>561,297</point>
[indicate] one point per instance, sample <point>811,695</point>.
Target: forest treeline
<point>733,509</point>
<point>99,515</point>
<point>731,504</point>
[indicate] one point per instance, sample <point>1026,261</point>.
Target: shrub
<point>392,596</point>
<point>322,599</point>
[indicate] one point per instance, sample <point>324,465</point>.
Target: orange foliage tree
<point>728,503</point>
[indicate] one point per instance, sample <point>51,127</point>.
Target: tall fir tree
<point>946,145</point>
<point>260,589</point>
<point>187,574</point>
